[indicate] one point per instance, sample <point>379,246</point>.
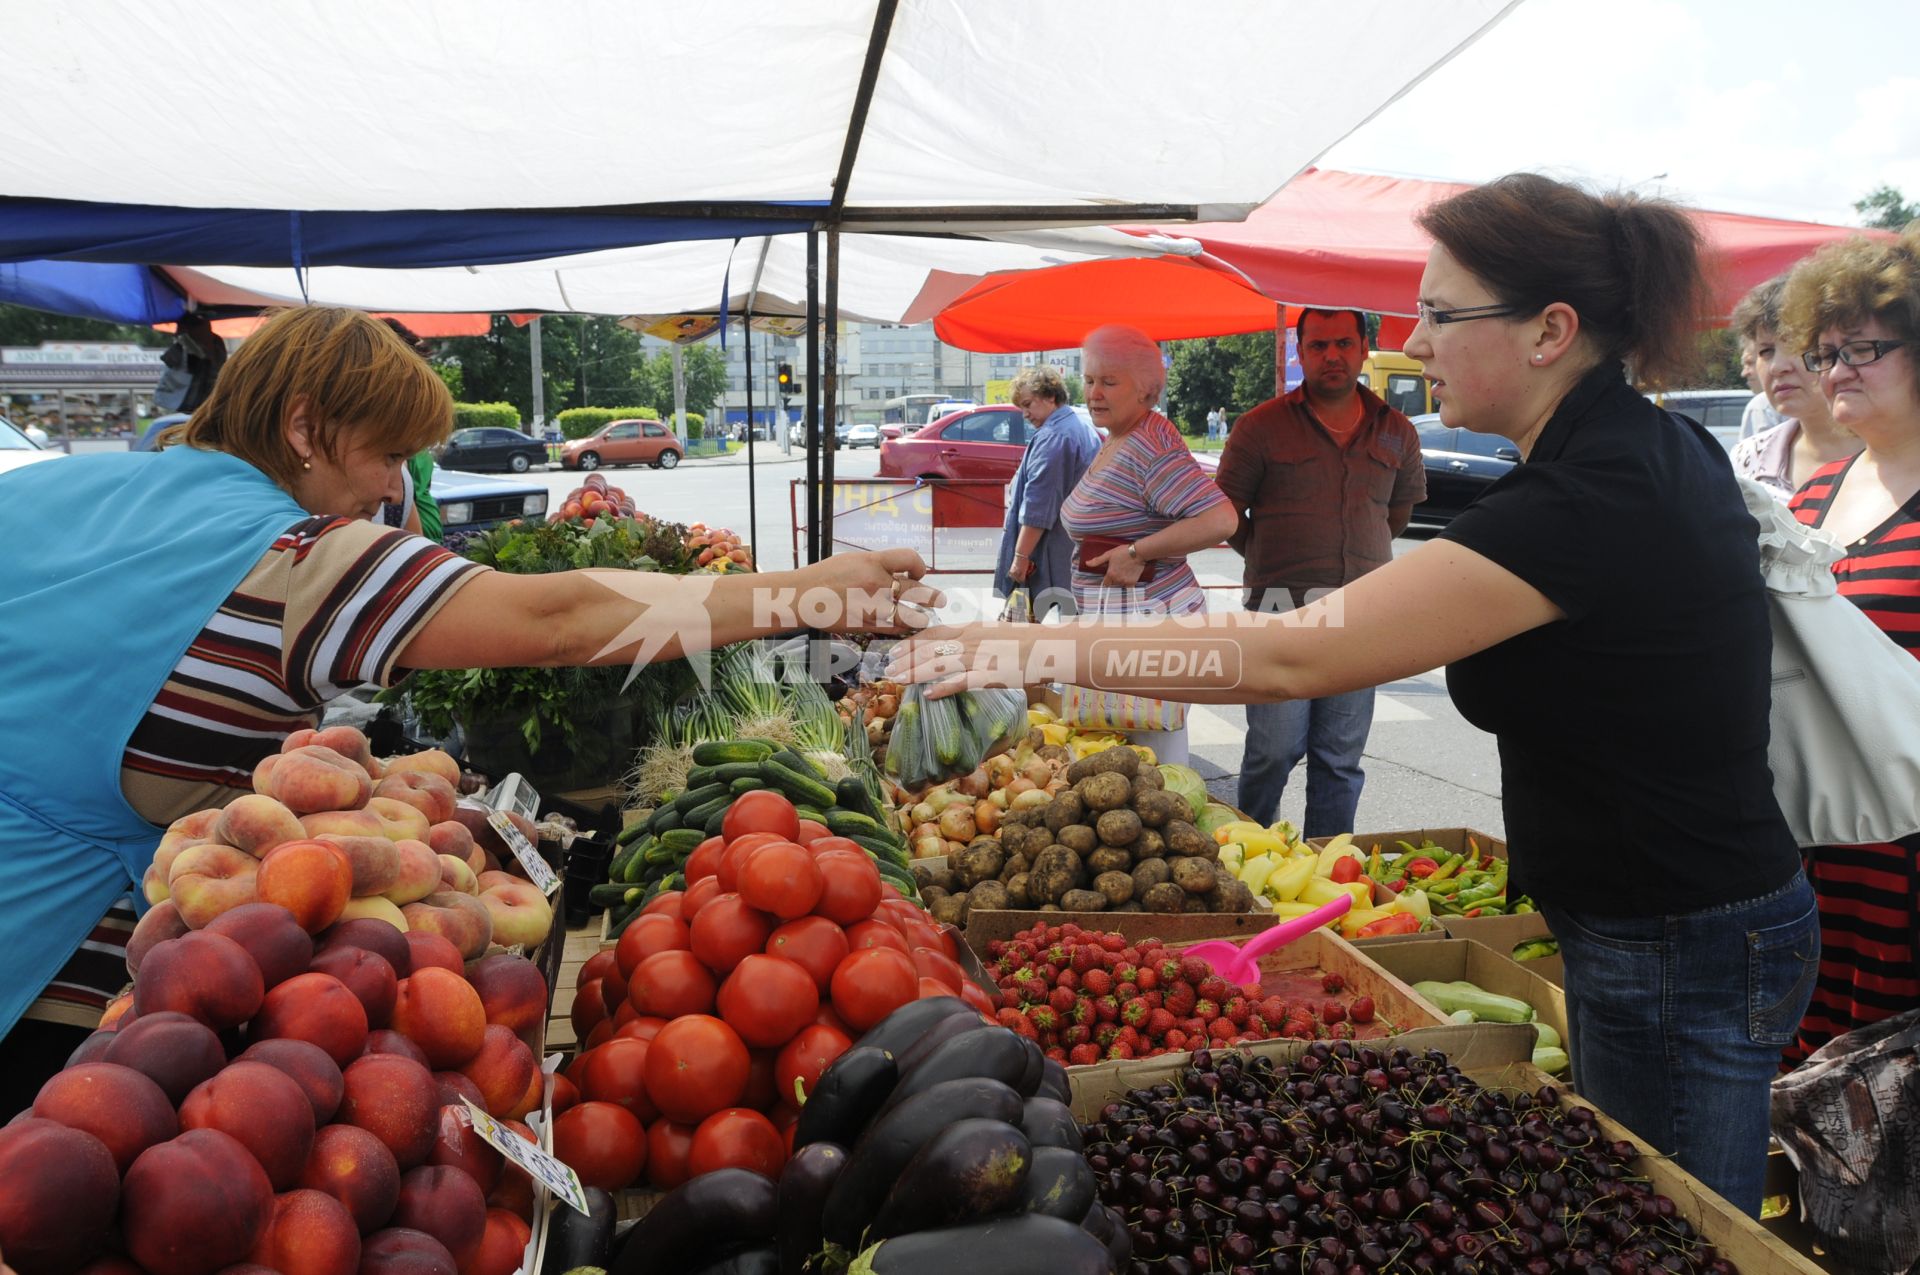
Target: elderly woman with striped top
<point>1144,504</point>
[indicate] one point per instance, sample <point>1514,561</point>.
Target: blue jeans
<point>1331,733</point>
<point>1677,1022</point>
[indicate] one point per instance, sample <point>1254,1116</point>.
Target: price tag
<point>537,868</point>
<point>553,1174</point>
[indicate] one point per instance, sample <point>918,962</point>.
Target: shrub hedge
<point>489,415</point>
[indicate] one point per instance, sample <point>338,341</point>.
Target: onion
<point>928,847</point>
<point>986,817</point>
<point>1031,798</point>
<point>975,784</point>
<point>956,824</point>
<point>1037,771</point>
<point>923,812</point>
<point>1019,785</point>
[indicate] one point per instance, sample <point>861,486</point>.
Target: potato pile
<point>1114,840</point>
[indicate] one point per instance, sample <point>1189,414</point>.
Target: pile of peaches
<point>593,499</point>
<point>717,549</point>
<point>282,1087</point>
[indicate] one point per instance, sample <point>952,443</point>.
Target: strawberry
<point>1221,1029</point>
<point>1175,1041</point>
<point>1148,978</point>
<point>1169,971</point>
<point>1105,1034</point>
<point>1058,1055</point>
<point>1057,953</point>
<point>1133,1013</point>
<point>1070,930</point>
<point>1098,982</point>
<point>1069,980</point>
<point>1333,1012</point>
<point>1082,1012</point>
<point>1085,957</point>
<point>1298,1029</point>
<point>1237,1011</point>
<point>1213,988</point>
<point>1125,972</point>
<point>1205,1010</point>
<point>1153,999</point>
<point>1126,991</point>
<point>1106,1009</point>
<point>1120,1050</point>
<point>1180,999</point>
<point>1194,970</point>
<point>1332,984</point>
<point>1256,1027</point>
<point>1020,1026</point>
<point>997,948</point>
<point>1159,1023</point>
<point>1128,1037</point>
<point>1009,1017</point>
<point>1361,1011</point>
<point>1049,1040</point>
<point>1273,1009</point>
<point>1060,999</point>
<point>1078,1034</point>
<point>1340,1031</point>
<point>1113,942</point>
<point>1042,1017</point>
<point>1083,1055</point>
<point>1130,954</point>
<point>1048,973</point>
<point>1251,991</point>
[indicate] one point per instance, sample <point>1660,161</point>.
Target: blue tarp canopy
<point>91,290</point>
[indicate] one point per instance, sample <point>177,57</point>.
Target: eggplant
<point>581,1239</point>
<point>937,1035</point>
<point>848,1094</point>
<point>1053,1081</point>
<point>1036,1069</point>
<point>1032,1244</point>
<point>971,1170</point>
<point>903,1026</point>
<point>1059,1185</point>
<point>1050,1124</point>
<point>802,1196</point>
<point>996,1054</point>
<point>682,1232</point>
<point>895,1139</point>
<point>1098,1222</point>
<point>751,1261</point>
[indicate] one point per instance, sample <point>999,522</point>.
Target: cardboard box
<point>1445,960</point>
<point>1504,933</point>
<point>1488,1059</point>
<point>1452,840</point>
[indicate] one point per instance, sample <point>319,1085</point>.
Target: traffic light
<point>785,377</point>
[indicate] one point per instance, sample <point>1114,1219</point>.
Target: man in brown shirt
<point>1323,478</point>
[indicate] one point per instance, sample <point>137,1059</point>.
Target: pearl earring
<point>305,463</point>
<point>1538,357</point>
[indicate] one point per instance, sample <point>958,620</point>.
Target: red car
<point>980,442</point>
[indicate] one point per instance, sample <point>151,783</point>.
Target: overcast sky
<point>1755,106</point>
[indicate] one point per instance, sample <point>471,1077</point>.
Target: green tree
<point>22,326</point>
<point>1199,380</point>
<point>1885,208</point>
<point>703,369</point>
<point>1076,388</point>
<point>1718,360</point>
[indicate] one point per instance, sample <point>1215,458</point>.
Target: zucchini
<point>846,1096</point>
<point>1551,1059</point>
<point>682,841</point>
<point>719,752</point>
<point>1028,1242</point>
<point>1059,1184</point>
<point>802,786</point>
<point>694,798</point>
<point>970,1169</point>
<point>896,1137</point>
<point>664,819</point>
<point>804,1185</point>
<point>684,1231</point>
<point>1545,1037</point>
<point>577,1239</point>
<point>746,783</point>
<point>1454,997</point>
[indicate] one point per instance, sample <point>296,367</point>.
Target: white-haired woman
<point>1144,504</point>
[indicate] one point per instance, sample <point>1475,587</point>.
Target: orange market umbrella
<point>1169,298</point>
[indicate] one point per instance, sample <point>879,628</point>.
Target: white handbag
<point>1846,698</point>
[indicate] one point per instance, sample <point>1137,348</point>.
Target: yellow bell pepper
<point>1350,923</point>
<point>1253,872</point>
<point>1341,847</point>
<point>1055,732</point>
<point>1415,902</point>
<point>1320,890</point>
<point>1146,754</point>
<point>1288,877</point>
<point>1232,855</point>
<point>1287,911</point>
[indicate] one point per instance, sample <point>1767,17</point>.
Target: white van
<point>947,408</point>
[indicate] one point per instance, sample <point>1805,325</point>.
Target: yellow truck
<point>1399,380</point>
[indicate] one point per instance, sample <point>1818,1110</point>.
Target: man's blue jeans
<point>1331,733</point>
<point>1677,1022</point>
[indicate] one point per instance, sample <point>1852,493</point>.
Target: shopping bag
<point>1845,747</point>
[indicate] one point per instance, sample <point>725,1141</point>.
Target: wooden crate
<point>1445,960</point>
<point>576,949</point>
<point>1187,927</point>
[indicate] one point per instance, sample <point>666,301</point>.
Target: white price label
<point>538,870</point>
<point>553,1174</point>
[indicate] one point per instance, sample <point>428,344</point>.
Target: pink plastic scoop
<point>1240,962</point>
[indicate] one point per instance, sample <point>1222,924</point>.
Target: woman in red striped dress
<point>1855,308</point>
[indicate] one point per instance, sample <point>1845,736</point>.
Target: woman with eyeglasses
<point>1600,610</point>
<point>1854,308</point>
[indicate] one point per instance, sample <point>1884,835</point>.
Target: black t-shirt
<point>1632,734</point>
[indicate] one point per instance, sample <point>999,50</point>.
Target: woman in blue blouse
<point>1036,553</point>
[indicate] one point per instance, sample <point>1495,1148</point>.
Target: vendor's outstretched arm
<point>575,618</point>
<point>1432,606</point>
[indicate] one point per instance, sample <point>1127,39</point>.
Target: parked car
<point>1718,410</point>
<point>16,449</point>
<point>625,442</point>
<point>491,447</point>
<point>980,442</point>
<point>1460,465</point>
<point>473,502</point>
<point>861,436</point>
<point>156,427</point>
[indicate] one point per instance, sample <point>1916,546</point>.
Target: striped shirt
<point>330,607</point>
<point>1149,482</point>
<point>1869,895</point>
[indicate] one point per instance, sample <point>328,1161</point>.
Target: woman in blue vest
<point>1036,553</point>
<point>168,615</point>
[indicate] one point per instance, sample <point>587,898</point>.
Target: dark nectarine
<point>310,1233</point>
<point>400,1251</point>
<point>58,1191</point>
<point>195,1204</point>
<point>271,936</point>
<point>396,1100</point>
<point>319,1009</point>
<point>176,1051</point>
<point>446,1204</point>
<point>264,1110</point>
<point>311,1069</point>
<point>367,975</point>
<point>357,1169</point>
<point>122,1107</point>
<point>377,936</point>
<point>205,975</point>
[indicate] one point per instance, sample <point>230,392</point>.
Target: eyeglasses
<point>1853,354</point>
<point>1462,314</point>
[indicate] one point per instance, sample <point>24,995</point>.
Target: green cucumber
<point>794,759</point>
<point>694,798</point>
<point>852,794</point>
<point>808,812</point>
<point>681,842</point>
<point>607,895</point>
<point>717,821</point>
<point>733,770</point>
<point>616,926</point>
<point>851,823</point>
<point>701,776</point>
<point>632,833</point>
<point>746,783</point>
<point>720,751</point>
<point>801,786</point>
<point>883,851</point>
<point>664,819</point>
<point>700,816</point>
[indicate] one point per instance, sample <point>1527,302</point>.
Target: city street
<point>1426,767</point>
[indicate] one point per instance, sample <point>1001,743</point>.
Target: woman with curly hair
<point>1854,308</point>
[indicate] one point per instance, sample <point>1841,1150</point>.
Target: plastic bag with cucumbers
<point>936,739</point>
